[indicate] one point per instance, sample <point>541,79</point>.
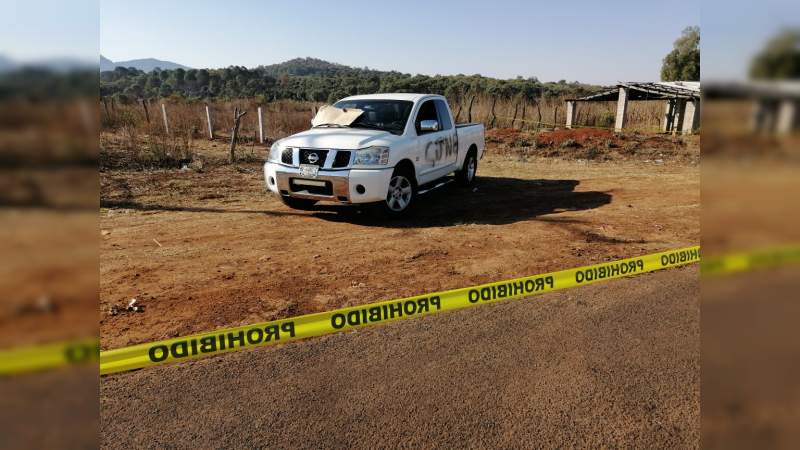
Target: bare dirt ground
<point>208,248</point>
<point>604,366</point>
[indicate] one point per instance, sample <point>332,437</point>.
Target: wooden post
<point>539,113</point>
<point>164,114</point>
<point>237,118</point>
<point>469,109</point>
<point>260,127</point>
<point>146,112</point>
<point>522,121</point>
<point>113,107</point>
<point>494,116</point>
<point>210,127</point>
<point>514,119</point>
<point>105,107</point>
<point>555,115</point>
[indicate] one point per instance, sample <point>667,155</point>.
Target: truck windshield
<point>386,115</point>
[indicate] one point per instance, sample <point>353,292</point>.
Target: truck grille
<point>286,156</point>
<point>342,159</point>
<point>313,156</point>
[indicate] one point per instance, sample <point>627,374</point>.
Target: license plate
<point>309,170</point>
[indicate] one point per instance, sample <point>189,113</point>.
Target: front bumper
<point>343,186</point>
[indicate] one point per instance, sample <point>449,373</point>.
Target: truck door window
<point>427,111</point>
<point>444,116</point>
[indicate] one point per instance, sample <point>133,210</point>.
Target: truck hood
<point>339,138</point>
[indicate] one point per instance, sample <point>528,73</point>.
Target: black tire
<point>298,203</point>
<point>466,176</point>
<point>401,195</point>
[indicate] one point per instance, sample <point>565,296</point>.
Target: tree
<point>683,62</point>
<point>780,58</point>
<point>309,79</point>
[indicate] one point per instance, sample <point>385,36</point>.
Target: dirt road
<point>207,250</point>
<point>613,364</point>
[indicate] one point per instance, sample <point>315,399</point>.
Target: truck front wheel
<point>466,176</point>
<point>400,195</point>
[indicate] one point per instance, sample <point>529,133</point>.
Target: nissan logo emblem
<point>313,158</point>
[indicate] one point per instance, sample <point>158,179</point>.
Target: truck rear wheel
<point>298,203</point>
<point>400,195</point>
<point>466,176</point>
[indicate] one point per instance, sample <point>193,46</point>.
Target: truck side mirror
<point>429,125</point>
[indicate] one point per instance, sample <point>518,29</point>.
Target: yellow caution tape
<point>49,356</point>
<point>317,324</point>
<point>752,260</point>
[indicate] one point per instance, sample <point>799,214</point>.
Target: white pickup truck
<point>388,149</point>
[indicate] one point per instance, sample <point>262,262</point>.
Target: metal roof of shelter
<point>662,90</point>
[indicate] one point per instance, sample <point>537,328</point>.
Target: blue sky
<point>590,41</point>
<point>38,29</point>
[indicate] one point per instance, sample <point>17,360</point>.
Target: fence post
<point>146,112</point>
<point>260,127</point>
<point>494,116</point>
<point>237,117</point>
<point>164,114</point>
<point>210,128</point>
<point>571,110</point>
<point>514,119</point>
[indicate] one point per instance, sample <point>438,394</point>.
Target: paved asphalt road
<point>613,364</point>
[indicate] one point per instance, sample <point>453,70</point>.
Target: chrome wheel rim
<point>471,169</point>
<point>400,192</point>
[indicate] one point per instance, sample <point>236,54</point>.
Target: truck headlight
<point>275,152</point>
<point>372,156</point>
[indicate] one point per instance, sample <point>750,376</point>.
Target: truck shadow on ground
<point>491,201</point>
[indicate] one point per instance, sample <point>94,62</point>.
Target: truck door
<point>450,138</point>
<point>432,146</point>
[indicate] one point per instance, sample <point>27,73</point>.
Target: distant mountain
<point>145,64</point>
<point>307,66</point>
<point>106,64</point>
